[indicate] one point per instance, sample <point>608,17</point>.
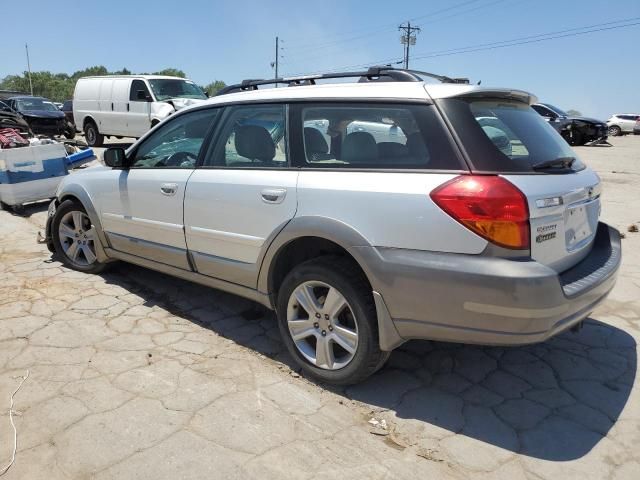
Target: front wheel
<point>70,131</point>
<point>328,321</point>
<point>615,130</point>
<point>75,238</point>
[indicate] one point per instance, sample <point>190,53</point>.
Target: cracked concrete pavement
<point>138,375</point>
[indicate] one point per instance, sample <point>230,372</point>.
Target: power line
<point>361,37</point>
<point>502,44</point>
<point>530,39</point>
<point>384,28</point>
<point>447,9</point>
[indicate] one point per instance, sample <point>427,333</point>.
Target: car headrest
<point>255,142</point>
<point>359,147</point>
<point>314,141</point>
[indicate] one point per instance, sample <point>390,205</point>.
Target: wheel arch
<point>88,119</point>
<point>319,235</point>
<point>78,194</point>
<point>305,238</point>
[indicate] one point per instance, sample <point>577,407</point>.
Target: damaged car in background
<point>41,114</point>
<point>575,130</point>
<point>128,105</point>
<point>9,118</point>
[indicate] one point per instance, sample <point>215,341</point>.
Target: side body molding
<point>348,238</point>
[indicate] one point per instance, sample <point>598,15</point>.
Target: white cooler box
<point>28,174</point>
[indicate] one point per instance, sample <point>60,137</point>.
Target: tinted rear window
<point>504,135</point>
<point>374,136</point>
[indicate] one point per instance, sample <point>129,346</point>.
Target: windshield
<point>31,104</point>
<point>559,111</point>
<point>505,135</point>
<point>164,89</point>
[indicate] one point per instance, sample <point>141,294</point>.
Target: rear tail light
<point>490,206</point>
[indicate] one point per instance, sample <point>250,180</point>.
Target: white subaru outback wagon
<point>365,214</point>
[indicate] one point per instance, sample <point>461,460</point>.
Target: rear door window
<point>373,136</point>
<point>501,135</point>
<point>252,136</point>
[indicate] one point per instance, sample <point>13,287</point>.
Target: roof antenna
<point>479,82</point>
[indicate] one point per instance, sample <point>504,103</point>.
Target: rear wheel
<point>328,321</point>
<point>75,238</point>
<point>91,134</point>
<point>615,130</point>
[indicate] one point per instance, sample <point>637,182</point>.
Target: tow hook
<point>577,327</point>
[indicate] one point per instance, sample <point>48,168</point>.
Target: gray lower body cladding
<point>488,300</point>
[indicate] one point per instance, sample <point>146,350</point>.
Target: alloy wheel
<point>77,237</point>
<point>322,325</point>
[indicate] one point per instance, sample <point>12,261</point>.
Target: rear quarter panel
<point>388,209</point>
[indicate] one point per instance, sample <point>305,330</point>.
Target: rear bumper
<point>492,301</point>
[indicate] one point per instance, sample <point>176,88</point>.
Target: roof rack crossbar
<point>372,74</point>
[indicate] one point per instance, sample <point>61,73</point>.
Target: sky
<point>596,73</point>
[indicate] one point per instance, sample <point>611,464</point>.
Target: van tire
<point>92,135</point>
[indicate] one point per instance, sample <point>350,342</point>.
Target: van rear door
<point>105,104</point>
<point>120,98</point>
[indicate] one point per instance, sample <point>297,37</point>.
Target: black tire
<point>70,131</point>
<point>93,137</point>
<point>63,209</point>
<point>577,139</point>
<point>615,131</point>
<point>342,274</point>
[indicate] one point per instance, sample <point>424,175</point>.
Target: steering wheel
<point>178,158</point>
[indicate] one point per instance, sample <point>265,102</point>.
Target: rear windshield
<point>505,135</point>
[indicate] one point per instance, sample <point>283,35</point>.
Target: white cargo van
<point>128,105</point>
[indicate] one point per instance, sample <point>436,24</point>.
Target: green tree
<point>59,86</point>
<point>214,87</point>
<point>171,72</point>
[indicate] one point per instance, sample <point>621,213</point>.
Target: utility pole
<point>407,39</point>
<point>275,63</point>
<point>277,55</point>
<point>29,68</point>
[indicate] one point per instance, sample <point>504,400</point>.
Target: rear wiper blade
<point>559,163</point>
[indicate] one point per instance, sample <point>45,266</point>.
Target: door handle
<point>112,106</point>
<point>169,189</point>
<point>127,107</point>
<point>273,195</point>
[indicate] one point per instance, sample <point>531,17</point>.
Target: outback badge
<point>546,232</point>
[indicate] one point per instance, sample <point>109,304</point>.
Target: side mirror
<point>142,95</point>
<point>114,157</point>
